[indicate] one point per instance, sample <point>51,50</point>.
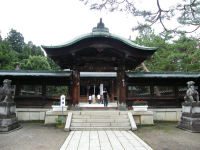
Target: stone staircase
<point>100,120</point>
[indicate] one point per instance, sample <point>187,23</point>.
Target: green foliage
<point>30,51</point>
<point>13,50</point>
<point>56,90</point>
<point>185,12</point>
<point>139,103</point>
<point>16,40</point>
<point>8,57</point>
<point>53,65</point>
<point>56,103</point>
<point>180,56</point>
<point>35,63</point>
<point>191,13</point>
<point>60,122</point>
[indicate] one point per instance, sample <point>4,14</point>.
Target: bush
<point>139,103</point>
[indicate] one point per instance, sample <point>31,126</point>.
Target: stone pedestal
<point>190,119</point>
<point>140,108</point>
<point>59,108</point>
<point>8,119</point>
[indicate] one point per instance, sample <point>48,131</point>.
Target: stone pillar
<point>76,87</point>
<point>190,118</point>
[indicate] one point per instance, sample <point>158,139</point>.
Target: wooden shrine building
<point>95,60</point>
<point>99,53</point>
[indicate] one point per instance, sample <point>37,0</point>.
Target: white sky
<point>51,22</point>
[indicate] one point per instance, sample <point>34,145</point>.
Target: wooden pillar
<point>44,90</point>
<point>112,90</point>
<point>118,88</point>
<point>76,87</point>
<point>176,91</point>
<point>87,86</point>
<point>151,100</point>
<point>18,89</point>
<point>121,85</point>
<point>152,90</point>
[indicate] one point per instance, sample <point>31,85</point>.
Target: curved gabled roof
<point>97,48</point>
<point>104,35</point>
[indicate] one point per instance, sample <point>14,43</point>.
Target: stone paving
<point>104,140</point>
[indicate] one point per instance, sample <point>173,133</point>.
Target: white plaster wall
<point>28,114</point>
<point>167,114</point>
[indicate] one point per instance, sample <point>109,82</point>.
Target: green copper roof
<point>35,73</point>
<point>41,73</point>
<point>101,34</point>
<point>163,74</point>
<point>101,31</point>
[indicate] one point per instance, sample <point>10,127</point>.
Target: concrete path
<point>104,140</point>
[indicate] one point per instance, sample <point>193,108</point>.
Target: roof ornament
<point>100,27</point>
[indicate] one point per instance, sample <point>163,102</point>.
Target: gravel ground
<point>33,136</point>
<point>37,136</point>
<point>165,136</point>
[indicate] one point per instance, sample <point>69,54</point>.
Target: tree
<point>0,37</point>
<point>35,63</point>
<point>30,50</point>
<point>189,52</point>
<point>180,56</point>
<point>8,57</point>
<point>13,50</point>
<point>16,40</point>
<point>52,64</point>
<point>186,12</point>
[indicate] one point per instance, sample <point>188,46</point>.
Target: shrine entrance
<point>105,57</point>
<point>92,85</point>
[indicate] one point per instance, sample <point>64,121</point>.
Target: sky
<point>52,22</point>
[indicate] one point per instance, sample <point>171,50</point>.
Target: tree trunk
<point>147,70</point>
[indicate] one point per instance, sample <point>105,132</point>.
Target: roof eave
<point>100,34</point>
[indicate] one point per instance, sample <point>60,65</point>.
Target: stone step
<point>99,116</point>
<point>104,124</point>
<point>98,108</point>
<point>100,120</point>
<point>98,128</point>
<point>99,113</point>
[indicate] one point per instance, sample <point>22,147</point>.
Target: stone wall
<point>29,114</point>
<point>167,114</point>
<point>143,117</point>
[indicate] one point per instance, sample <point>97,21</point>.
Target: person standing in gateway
<point>105,100</point>
<point>98,98</point>
<point>90,99</point>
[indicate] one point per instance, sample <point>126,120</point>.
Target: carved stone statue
<point>8,118</point>
<point>191,94</point>
<point>190,118</point>
<point>6,92</point>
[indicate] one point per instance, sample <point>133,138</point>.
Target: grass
<point>60,122</point>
